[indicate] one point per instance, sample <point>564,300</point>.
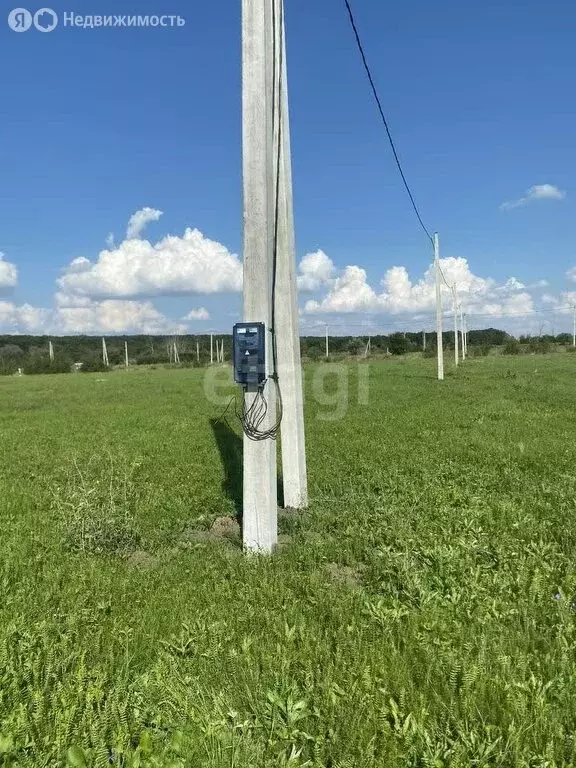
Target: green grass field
<point>420,613</point>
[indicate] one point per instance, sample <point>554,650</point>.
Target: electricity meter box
<point>248,349</point>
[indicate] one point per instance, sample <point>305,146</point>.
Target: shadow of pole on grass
<point>230,449</point>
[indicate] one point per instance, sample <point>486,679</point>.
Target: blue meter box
<point>248,352</point>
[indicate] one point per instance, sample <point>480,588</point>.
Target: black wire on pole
<point>383,116</point>
<point>446,281</point>
<point>277,53</point>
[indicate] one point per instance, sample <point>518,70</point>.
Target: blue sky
<point>99,124</point>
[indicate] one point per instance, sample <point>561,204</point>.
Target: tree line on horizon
<point>30,354</point>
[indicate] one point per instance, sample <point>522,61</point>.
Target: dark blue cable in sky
<point>383,116</point>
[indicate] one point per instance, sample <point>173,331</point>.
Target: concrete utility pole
<point>104,352</point>
<point>294,474</point>
<point>574,325</point>
<point>423,341</point>
<point>462,335</point>
<point>126,354</point>
<point>198,352</point>
<point>211,349</point>
<point>440,351</point>
<point>327,350</point>
<point>51,351</point>
<point>260,510</point>
<point>455,309</point>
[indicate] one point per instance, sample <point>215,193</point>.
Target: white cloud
<point>350,292</point>
<point>562,304</point>
<point>101,296</point>
<point>568,299</point>
<point>108,316</point>
<point>21,319</point>
<point>197,314</point>
<point>519,304</point>
<point>316,270</point>
<point>546,192</point>
<point>8,273</point>
<point>110,242</point>
<point>571,274</point>
<point>138,221</point>
<point>185,265</point>
<point>537,192</point>
<point>512,284</point>
<point>64,300</point>
<point>108,295</point>
<point>112,316</point>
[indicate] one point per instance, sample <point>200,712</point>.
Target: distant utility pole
<point>440,351</point>
<point>260,510</point>
<point>462,334</point>
<point>51,351</point>
<point>126,354</point>
<point>327,350</point>
<point>574,325</point>
<point>368,348</point>
<point>455,308</point>
<point>423,341</point>
<point>176,355</point>
<point>211,349</point>
<point>104,353</point>
<point>198,352</point>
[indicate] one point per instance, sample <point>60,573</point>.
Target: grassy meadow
<point>420,613</point>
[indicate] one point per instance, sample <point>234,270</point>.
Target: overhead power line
<point>444,278</point>
<point>383,116</point>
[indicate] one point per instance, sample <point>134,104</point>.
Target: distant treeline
<point>30,354</point>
